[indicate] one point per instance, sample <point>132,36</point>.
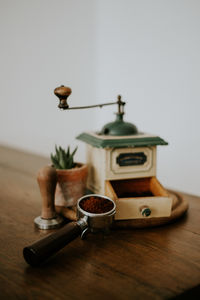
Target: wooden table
<point>155,263</point>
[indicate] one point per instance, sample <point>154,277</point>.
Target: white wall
<point>45,43</point>
<point>147,50</point>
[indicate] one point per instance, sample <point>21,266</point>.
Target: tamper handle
<point>47,179</point>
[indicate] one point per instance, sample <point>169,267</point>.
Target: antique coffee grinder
<point>122,165</point>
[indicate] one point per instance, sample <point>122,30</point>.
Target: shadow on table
<point>192,294</point>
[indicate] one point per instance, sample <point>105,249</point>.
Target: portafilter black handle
<point>41,250</point>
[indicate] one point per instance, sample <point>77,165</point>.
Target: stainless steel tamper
<point>41,250</point>
<point>47,179</point>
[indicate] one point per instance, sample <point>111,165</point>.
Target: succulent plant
<point>63,159</point>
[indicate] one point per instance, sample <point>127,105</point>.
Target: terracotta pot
<point>71,185</point>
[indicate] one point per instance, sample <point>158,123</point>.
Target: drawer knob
<point>145,211</point>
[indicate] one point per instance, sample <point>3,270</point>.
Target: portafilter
<point>94,212</point>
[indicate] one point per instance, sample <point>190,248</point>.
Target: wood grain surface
<point>150,263</point>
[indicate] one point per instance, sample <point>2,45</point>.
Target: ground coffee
<point>96,205</point>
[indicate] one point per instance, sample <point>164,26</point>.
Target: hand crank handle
<point>41,250</point>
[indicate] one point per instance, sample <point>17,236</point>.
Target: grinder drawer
<point>139,198</point>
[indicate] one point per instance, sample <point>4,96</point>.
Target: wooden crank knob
<point>47,180</point>
<point>62,93</point>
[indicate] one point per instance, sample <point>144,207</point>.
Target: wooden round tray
<point>179,207</point>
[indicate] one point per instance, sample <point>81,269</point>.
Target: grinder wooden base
<point>179,207</point>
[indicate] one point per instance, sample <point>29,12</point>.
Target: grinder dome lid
<point>119,127</point>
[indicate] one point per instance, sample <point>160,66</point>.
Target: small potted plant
<point>71,178</point>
